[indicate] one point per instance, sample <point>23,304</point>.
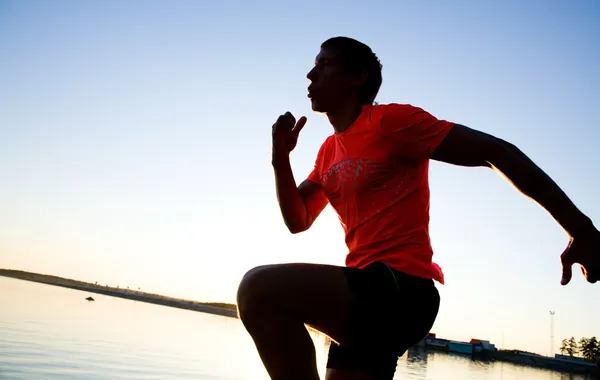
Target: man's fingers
<point>291,120</point>
<point>567,266</point>
<point>591,276</point>
<point>285,121</point>
<point>299,125</point>
<point>567,273</point>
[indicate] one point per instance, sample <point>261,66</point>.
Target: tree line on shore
<point>587,348</point>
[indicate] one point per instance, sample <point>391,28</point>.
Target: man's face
<point>330,85</point>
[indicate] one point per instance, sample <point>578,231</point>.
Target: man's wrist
<point>585,227</point>
<point>278,157</point>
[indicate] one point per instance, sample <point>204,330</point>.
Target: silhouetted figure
<point>373,170</point>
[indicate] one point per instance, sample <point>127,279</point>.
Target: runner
<point>373,171</point>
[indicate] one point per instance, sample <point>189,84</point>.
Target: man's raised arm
<point>300,205</point>
<point>468,147</point>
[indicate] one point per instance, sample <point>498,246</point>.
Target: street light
<point>552,312</point>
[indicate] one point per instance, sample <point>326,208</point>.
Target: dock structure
<point>485,350</point>
<point>473,347</point>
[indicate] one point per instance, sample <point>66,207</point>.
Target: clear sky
<point>135,144</point>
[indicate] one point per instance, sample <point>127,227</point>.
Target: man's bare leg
<point>346,374</point>
<point>276,301</point>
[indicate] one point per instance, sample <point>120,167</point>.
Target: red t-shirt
<point>375,176</point>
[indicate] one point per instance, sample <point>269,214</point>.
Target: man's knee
<point>253,290</point>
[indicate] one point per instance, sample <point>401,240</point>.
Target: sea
<point>49,332</point>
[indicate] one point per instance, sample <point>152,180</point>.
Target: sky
<point>135,144</point>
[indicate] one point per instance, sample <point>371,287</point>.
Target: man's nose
<point>311,74</point>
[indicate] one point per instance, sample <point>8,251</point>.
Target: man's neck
<point>343,118</point>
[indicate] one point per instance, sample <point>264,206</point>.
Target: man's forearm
<point>530,180</point>
<point>293,208</point>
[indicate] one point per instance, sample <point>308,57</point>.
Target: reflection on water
<point>49,332</point>
<point>423,364</point>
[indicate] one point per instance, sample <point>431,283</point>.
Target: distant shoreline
<point>230,310</point>
<point>223,309</point>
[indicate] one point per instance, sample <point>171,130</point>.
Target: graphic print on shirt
<point>362,190</point>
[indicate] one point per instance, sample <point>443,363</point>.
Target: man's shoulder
<point>393,106</point>
<point>328,140</point>
<point>393,109</point>
<point>324,145</point>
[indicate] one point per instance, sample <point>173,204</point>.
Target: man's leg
<point>394,311</point>
<point>365,363</point>
<point>276,301</point>
<point>346,374</point>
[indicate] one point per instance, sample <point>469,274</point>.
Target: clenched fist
<point>285,133</point>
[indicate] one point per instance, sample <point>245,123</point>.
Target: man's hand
<point>285,133</point>
<point>585,251</point>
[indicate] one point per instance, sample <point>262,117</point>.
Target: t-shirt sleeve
<point>314,175</point>
<point>415,132</point>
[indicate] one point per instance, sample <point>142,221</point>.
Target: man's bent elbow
<point>297,225</point>
<point>502,152</point>
<point>296,228</point>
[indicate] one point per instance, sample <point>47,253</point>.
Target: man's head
<point>346,70</point>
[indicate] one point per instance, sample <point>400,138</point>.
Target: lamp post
<point>552,312</point>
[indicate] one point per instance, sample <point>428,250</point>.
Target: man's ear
<point>360,78</point>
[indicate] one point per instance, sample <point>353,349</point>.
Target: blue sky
<point>135,144</point>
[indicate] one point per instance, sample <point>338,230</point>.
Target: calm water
<point>48,332</point>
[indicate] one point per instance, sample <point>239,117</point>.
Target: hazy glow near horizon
<point>135,144</point>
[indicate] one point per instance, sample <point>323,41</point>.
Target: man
<point>373,171</point>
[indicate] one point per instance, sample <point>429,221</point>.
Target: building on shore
<point>473,347</point>
<point>483,349</point>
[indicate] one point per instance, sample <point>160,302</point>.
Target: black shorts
<point>392,312</point>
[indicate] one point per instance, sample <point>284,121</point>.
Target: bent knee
<point>253,289</point>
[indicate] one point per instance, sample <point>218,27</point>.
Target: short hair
<point>355,56</point>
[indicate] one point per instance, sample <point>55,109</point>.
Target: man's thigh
<point>318,295</point>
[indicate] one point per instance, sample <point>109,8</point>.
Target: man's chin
<point>317,106</point>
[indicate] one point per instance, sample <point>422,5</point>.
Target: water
<point>48,332</point>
